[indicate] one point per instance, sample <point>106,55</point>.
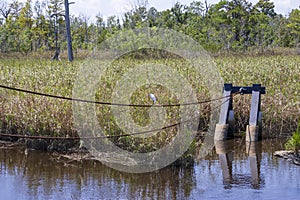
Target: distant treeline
<point>233,25</point>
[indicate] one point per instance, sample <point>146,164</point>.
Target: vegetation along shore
<point>250,43</point>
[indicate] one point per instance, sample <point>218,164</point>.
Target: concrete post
<point>221,131</point>
<point>253,129</point>
<point>224,128</point>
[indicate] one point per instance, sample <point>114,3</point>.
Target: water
<point>233,171</point>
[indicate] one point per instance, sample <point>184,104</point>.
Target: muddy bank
<point>72,154</point>
<point>48,145</point>
<point>67,152</point>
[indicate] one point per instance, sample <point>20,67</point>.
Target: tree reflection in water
<point>43,175</point>
<point>235,169</point>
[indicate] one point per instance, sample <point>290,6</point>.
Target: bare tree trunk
<point>56,55</point>
<point>206,7</point>
<point>68,30</point>
<point>5,10</point>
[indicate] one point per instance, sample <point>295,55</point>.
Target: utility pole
<point>68,30</point>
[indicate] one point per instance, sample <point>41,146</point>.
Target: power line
<point>112,136</point>
<point>108,103</point>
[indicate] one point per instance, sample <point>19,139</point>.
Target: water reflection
<point>235,169</point>
<point>225,151</point>
<point>226,155</point>
<point>42,174</point>
<point>254,151</point>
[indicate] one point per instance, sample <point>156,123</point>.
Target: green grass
<point>34,115</point>
<point>294,142</point>
<point>280,75</point>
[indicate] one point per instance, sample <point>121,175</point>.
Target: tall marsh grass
<point>35,115</point>
<point>280,75</point>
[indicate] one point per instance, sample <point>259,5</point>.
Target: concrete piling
<point>224,129</point>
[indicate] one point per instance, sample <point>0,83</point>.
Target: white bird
<point>26,152</point>
<point>152,97</point>
<point>81,144</point>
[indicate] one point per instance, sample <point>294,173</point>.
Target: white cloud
<point>117,7</point>
<point>286,6</point>
<point>93,7</point>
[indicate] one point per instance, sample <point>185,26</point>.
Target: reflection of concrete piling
<point>224,128</point>
<point>253,149</point>
<point>224,147</point>
<point>225,151</point>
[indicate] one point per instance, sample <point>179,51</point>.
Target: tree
<point>40,27</point>
<point>113,24</point>
<point>266,7</point>
<point>196,8</point>
<point>55,11</point>
<point>294,26</point>
<point>80,32</point>
<point>152,17</point>
<point>11,31</point>
<point>228,25</point>
<point>238,14</point>
<point>25,21</point>
<point>101,30</point>
<point>263,23</point>
<point>5,9</point>
<point>15,8</point>
<point>179,13</point>
<point>218,28</point>
<point>135,18</point>
<point>195,21</point>
<point>68,31</point>
<point>165,19</point>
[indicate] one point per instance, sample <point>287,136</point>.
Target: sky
<point>117,7</point>
<point>106,8</point>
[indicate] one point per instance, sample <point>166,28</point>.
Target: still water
<point>234,170</point>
